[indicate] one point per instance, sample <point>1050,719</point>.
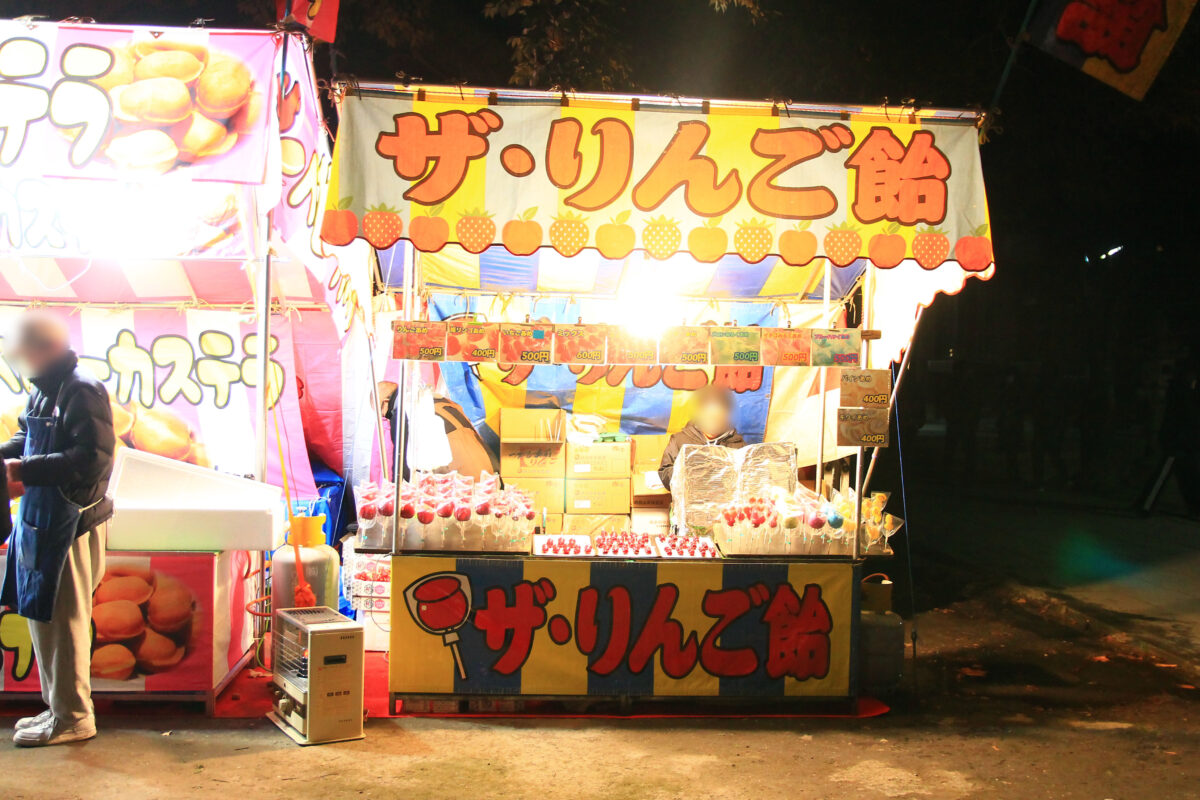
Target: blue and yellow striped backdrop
<point>641,401</point>
<point>547,273</point>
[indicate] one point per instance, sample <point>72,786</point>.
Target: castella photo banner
<point>182,385</point>
<point>92,101</point>
<point>529,170</point>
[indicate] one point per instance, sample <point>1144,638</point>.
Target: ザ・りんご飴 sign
<point>552,627</point>
<point>479,169</point>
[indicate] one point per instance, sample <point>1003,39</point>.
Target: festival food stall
<point>139,168</point>
<point>570,269</point>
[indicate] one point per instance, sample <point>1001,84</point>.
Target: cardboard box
<point>547,460</point>
<point>654,521</point>
<point>648,450</point>
<point>601,460</point>
<point>554,524</point>
<point>532,425</point>
<point>591,524</point>
<point>597,495</point>
<point>646,489</point>
<point>547,493</point>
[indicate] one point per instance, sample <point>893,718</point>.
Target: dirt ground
<point>1004,704</point>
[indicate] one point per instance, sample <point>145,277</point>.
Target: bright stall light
<point>647,303</point>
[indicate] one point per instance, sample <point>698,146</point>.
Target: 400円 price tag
<point>862,427</point>
<point>865,388</point>
<point>472,341</point>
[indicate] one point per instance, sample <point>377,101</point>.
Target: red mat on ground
<point>249,696</point>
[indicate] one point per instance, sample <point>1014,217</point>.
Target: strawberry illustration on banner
<point>474,168</point>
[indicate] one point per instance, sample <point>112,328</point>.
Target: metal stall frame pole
<point>864,358</point>
<point>895,391</point>
<point>262,330</point>
<point>262,302</point>
<point>380,436</point>
<point>819,476</point>
<point>400,440</point>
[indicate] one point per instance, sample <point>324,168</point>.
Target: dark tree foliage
<point>578,44</point>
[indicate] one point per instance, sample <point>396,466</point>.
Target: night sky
<point>1076,167</point>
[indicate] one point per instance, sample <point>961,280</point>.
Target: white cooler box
<point>163,504</point>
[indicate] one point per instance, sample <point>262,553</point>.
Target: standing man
<point>61,458</point>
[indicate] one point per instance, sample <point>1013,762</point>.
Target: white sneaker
<point>33,722</point>
<point>55,732</point>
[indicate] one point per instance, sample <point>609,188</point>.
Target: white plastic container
<point>163,504</point>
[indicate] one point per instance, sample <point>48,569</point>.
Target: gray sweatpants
<point>63,646</point>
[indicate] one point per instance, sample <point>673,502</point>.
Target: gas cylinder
<point>319,561</point>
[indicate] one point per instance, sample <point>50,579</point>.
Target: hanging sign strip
<point>866,388</point>
<point>580,344</point>
<point>419,341</point>
<point>862,427</point>
<point>526,344</point>
<point>472,341</point>
<point>684,344</point>
<point>736,346</point>
<point>628,349</point>
<point>786,347</point>
<point>836,348</point>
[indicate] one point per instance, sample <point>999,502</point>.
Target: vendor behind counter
<point>710,424</point>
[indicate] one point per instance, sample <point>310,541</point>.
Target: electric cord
<point>912,589</point>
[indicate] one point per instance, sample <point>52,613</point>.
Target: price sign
<point>736,346</point>
<point>862,427</point>
<point>684,344</point>
<point>786,347</point>
<point>836,348</point>
<point>866,388</point>
<point>580,344</point>
<point>472,341</point>
<point>419,341</point>
<point>526,344</point>
<point>627,349</point>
